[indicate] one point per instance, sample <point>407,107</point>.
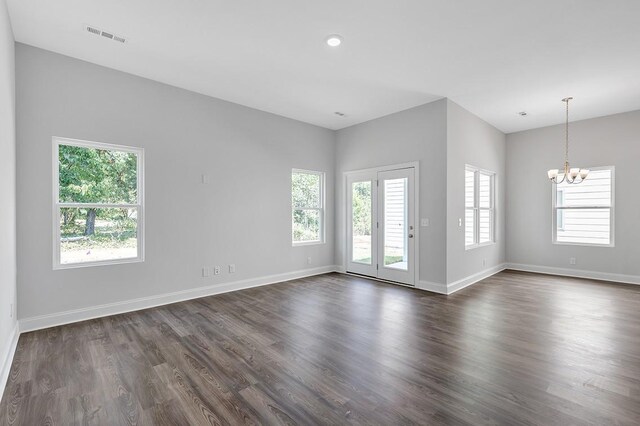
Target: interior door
<point>396,232</point>
<point>380,224</point>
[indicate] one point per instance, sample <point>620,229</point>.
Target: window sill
<point>475,246</point>
<point>560,243</point>
<point>306,243</point>
<point>98,263</point>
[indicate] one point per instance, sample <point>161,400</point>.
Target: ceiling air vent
<point>105,34</point>
<point>93,30</point>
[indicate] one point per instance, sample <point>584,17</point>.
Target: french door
<point>380,224</point>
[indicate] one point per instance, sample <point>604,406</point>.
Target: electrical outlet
<point>309,260</point>
<point>11,310</point>
<point>206,271</point>
<point>424,222</point>
<point>216,270</point>
<point>572,261</point>
<point>232,268</point>
<point>205,179</point>
<point>484,262</point>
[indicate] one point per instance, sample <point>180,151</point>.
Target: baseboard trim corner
<point>83,314</point>
<point>7,359</point>
<point>432,287</point>
<point>472,279</point>
<point>576,273</point>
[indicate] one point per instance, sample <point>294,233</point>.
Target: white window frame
<point>555,208</point>
<point>476,207</point>
<point>57,205</point>
<point>319,209</point>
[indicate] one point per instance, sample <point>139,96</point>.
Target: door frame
<point>416,189</point>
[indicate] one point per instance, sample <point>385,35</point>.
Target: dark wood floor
<point>515,349</point>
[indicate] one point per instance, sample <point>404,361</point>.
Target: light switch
<point>460,222</point>
<point>424,221</point>
<point>205,179</point>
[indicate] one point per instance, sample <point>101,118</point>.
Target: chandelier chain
<point>568,175</point>
<point>566,147</point>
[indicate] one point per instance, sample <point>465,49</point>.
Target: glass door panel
<point>361,224</point>
<point>395,224</point>
<point>380,232</point>
<point>396,243</point>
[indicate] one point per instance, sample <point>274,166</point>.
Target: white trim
<point>57,205</point>
<point>576,273</point>
<point>410,164</point>
<point>432,287</point>
<point>83,314</point>
<point>472,279</point>
<point>7,359</point>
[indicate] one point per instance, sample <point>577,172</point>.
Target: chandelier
<point>569,175</point>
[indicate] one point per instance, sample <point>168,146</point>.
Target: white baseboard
<point>576,273</point>
<point>472,279</point>
<point>7,359</point>
<point>433,287</point>
<point>76,315</point>
<point>451,288</point>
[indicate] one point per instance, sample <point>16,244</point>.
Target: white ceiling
<point>493,57</point>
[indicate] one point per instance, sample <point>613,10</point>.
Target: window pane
<point>469,194</point>
<point>305,190</point>
<point>306,225</point>
<point>90,175</point>
<point>361,222</point>
<point>469,228</point>
<point>396,248</point>
<point>595,191</point>
<point>485,226</point>
<point>90,235</point>
<point>484,191</point>
<point>587,226</point>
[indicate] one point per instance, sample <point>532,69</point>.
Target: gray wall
<point>7,183</point>
<point>417,134</point>
<point>605,141</point>
<point>243,216</point>
<point>471,140</point>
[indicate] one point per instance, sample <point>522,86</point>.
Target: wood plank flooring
<point>515,349</point>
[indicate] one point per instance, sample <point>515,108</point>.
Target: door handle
<point>410,235</point>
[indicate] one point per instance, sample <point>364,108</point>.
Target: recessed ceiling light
<point>334,40</point>
<point>522,113</point>
<point>338,113</point>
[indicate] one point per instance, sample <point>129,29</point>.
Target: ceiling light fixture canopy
<point>569,174</point>
<point>334,40</point>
